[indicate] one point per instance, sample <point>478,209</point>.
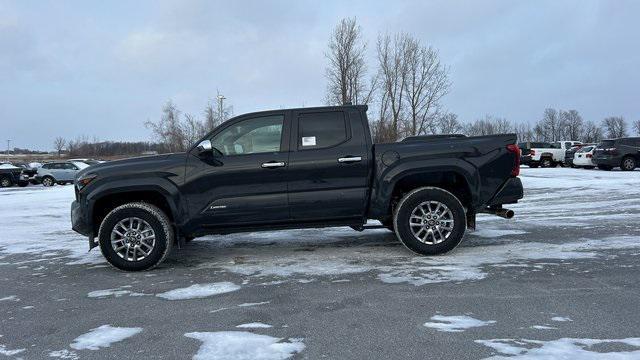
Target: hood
<point>131,166</point>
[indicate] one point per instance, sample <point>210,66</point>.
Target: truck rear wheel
<point>628,164</point>
<point>136,236</point>
<point>430,221</point>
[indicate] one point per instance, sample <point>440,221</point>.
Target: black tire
<point>628,163</point>
<point>48,181</point>
<point>5,182</point>
<point>159,222</point>
<point>605,167</point>
<point>23,183</point>
<point>413,199</point>
<point>546,163</point>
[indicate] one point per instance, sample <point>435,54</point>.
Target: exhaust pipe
<point>503,213</point>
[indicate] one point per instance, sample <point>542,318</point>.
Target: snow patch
<point>543,327</point>
<point>118,292</point>
<point>457,323</point>
<point>198,291</point>
<point>564,348</point>
<point>560,318</point>
<point>494,233</point>
<point>7,352</point>
<point>103,336</point>
<point>254,325</point>
<point>240,345</point>
<point>64,354</point>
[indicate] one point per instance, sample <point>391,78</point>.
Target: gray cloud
<point>71,68</point>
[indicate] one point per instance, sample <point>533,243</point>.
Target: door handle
<point>349,159</point>
<point>273,164</point>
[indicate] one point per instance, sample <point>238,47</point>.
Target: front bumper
<point>509,193</point>
<point>79,222</point>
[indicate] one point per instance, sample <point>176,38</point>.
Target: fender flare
<point>383,188</point>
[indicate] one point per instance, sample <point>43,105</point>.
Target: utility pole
<point>221,107</point>
<point>8,146</point>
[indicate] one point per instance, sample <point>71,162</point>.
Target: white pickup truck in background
<point>544,154</point>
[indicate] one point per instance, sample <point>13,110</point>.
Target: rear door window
<point>321,130</point>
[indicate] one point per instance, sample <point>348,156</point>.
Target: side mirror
<point>204,146</point>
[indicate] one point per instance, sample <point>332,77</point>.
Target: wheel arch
<point>108,199</point>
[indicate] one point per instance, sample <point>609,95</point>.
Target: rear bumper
<point>509,193</point>
<point>606,160</point>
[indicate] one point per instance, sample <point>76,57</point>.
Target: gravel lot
<point>560,279</point>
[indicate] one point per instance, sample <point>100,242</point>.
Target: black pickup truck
<point>295,168</point>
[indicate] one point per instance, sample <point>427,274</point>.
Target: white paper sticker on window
<point>309,141</point>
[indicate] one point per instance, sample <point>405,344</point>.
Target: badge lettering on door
<point>309,141</point>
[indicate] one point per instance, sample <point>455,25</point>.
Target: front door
<point>244,180</point>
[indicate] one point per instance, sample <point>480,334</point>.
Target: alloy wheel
<point>431,222</point>
<point>133,239</point>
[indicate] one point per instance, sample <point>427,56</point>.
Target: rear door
<point>328,165</point>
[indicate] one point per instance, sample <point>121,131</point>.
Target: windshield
<point>585,149</point>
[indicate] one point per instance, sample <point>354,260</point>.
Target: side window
<point>567,145</point>
<point>321,130</point>
<point>46,166</point>
<point>251,136</point>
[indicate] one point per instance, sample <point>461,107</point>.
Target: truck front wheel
<point>136,236</point>
<point>429,221</point>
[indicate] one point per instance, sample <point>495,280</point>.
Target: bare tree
<point>192,130</point>
<point>489,125</point>
<point>393,78</point>
<point>615,127</point>
<point>59,143</point>
<point>448,124</point>
<point>592,132</point>
<point>636,126</point>
<point>347,67</point>
<point>168,129</point>
<point>549,128</point>
<point>523,131</point>
<point>572,123</point>
<point>427,82</point>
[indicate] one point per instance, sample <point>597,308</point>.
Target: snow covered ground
<point>557,280</point>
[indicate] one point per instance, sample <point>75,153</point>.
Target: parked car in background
<point>583,157</point>
<point>30,170</point>
<point>569,154</point>
<point>621,152</point>
<point>525,150</point>
<point>12,175</point>
<point>61,173</point>
<point>87,161</point>
<point>547,154</point>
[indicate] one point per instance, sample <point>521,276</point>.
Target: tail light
<point>513,148</point>
<point>532,152</point>
<point>589,156</point>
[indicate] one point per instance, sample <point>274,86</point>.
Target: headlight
<point>84,180</point>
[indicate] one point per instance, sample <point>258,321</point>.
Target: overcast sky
<point>101,68</point>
